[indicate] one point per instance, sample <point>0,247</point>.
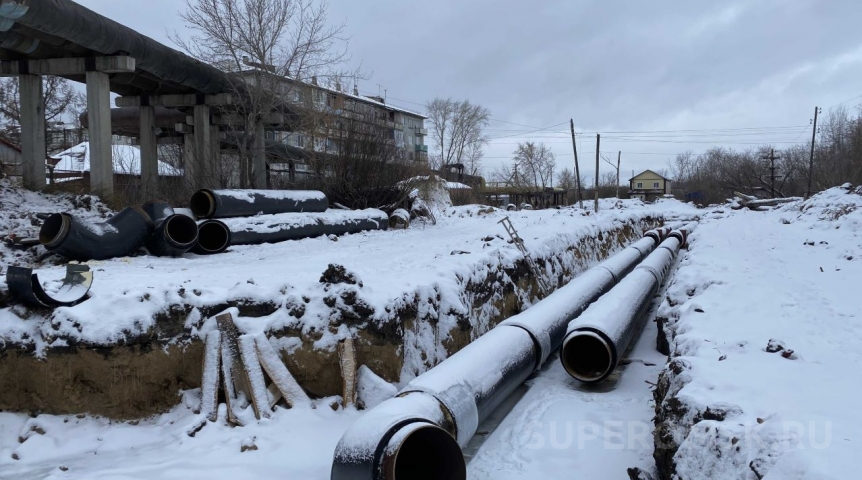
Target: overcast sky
<point>668,67</point>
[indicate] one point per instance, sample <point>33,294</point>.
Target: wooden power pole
<point>811,158</point>
<point>577,168</point>
<point>598,144</point>
<point>619,157</point>
<point>772,158</point>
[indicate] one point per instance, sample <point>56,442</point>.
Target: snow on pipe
<point>419,433</point>
<point>295,226</point>
<point>243,203</point>
<point>121,235</point>
<point>596,339</point>
<point>174,234</point>
<point>213,237</point>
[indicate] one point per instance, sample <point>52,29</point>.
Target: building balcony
<point>421,132</point>
<point>422,148</point>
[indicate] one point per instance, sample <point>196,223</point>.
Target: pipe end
<point>423,451</point>
<point>55,230</point>
<point>588,356</point>
<point>203,204</point>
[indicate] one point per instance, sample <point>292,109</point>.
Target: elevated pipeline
<point>419,434</point>
<point>596,340</point>
<point>295,226</point>
<point>243,203</point>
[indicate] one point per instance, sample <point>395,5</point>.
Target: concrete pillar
<point>258,166</point>
<point>99,114</point>
<point>149,154</point>
<point>33,153</point>
<point>190,173</point>
<point>205,175</point>
<point>215,156</point>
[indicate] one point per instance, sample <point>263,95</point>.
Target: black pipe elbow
<point>120,236</point>
<point>174,234</point>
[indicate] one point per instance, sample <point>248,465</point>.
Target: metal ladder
<point>519,242</point>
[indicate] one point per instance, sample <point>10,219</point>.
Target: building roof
<point>652,172</point>
<point>361,98</point>
<point>126,159</point>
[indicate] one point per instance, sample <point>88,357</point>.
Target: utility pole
<point>772,158</point>
<point>598,144</point>
<point>577,168</point>
<point>619,157</point>
<point>811,159</point>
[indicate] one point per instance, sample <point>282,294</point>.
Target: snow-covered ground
<point>787,280</point>
<point>784,279</point>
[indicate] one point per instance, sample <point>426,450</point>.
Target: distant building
<point>648,186</point>
<point>74,164</point>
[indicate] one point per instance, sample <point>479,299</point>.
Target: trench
<point>142,376</point>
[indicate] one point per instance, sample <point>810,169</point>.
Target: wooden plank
<point>233,370</point>
<point>347,362</point>
<point>210,378</point>
<point>256,382</point>
<point>274,395</point>
<point>279,374</point>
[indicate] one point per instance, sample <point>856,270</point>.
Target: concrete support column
<point>33,150</point>
<point>215,157</point>
<point>149,154</point>
<point>205,175</point>
<point>258,166</point>
<point>99,114</point>
<point>190,173</point>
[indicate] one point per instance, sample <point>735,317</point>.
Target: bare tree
<point>536,163</point>
<point>273,48</point>
<point>457,132</point>
<point>62,102</point>
<point>616,167</point>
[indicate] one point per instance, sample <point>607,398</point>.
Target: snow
<point>126,161</point>
<point>250,195</point>
<point>750,278</point>
<point>281,221</point>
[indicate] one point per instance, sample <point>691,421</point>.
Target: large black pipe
<point>173,234</point>
<point>82,27</point>
<point>121,235</point>
<point>463,390</point>
<point>596,340</point>
<point>243,203</point>
<point>213,237</point>
<point>296,226</point>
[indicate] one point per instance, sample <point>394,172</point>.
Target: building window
<point>655,185</point>
<point>640,185</point>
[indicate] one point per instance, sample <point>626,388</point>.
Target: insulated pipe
<point>243,203</point>
<point>596,340</point>
<point>213,237</point>
<point>296,226</point>
<point>25,286</point>
<point>80,26</point>
<point>464,389</point>
<point>121,235</point>
<point>174,234</point>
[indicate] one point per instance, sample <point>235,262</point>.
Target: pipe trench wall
<point>141,376</point>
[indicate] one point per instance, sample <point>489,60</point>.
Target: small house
<point>649,186</point>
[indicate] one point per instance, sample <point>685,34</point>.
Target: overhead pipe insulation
<point>173,234</point>
<point>243,203</point>
<point>596,340</point>
<point>120,236</point>
<point>457,395</point>
<point>213,237</point>
<point>296,226</point>
<point>79,27</point>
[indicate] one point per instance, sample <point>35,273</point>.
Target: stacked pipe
<point>268,216</point>
<point>596,340</point>
<point>418,434</point>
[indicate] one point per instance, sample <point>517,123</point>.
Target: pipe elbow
<point>121,235</point>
